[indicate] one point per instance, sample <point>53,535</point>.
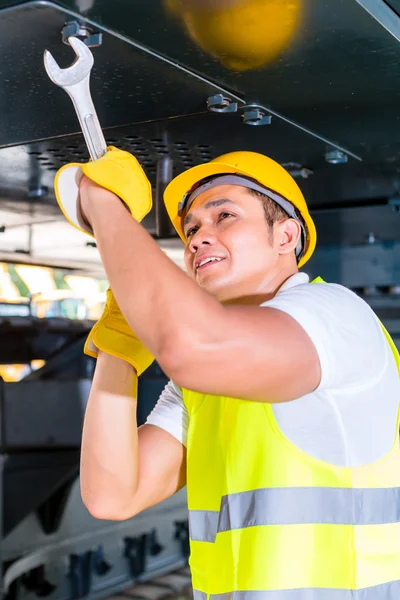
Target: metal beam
<point>381,12</point>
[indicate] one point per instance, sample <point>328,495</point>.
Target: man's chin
<point>211,285</point>
<point>220,290</point>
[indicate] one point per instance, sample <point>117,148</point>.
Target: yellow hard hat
<point>263,170</point>
<point>241,34</point>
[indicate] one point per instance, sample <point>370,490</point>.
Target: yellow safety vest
<point>269,521</point>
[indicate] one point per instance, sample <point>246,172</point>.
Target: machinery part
<point>138,549</point>
<point>82,31</point>
<point>165,166</point>
<point>182,534</point>
<point>254,115</point>
<point>336,157</point>
<point>394,201</point>
<point>75,81</point>
<point>87,560</point>
<point>40,191</point>
<point>80,573</point>
<point>135,553</point>
<point>174,585</point>
<point>35,581</point>
<point>383,14</point>
<point>297,171</point>
<point>222,104</point>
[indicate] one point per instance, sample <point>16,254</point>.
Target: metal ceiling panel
<point>137,82</point>
<point>128,85</point>
<point>337,77</point>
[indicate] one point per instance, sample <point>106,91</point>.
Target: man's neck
<point>270,290</point>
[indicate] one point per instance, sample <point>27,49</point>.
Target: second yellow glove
<point>117,171</point>
<point>112,335</point>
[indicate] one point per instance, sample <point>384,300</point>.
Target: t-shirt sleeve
<point>346,333</point>
<point>170,413</point>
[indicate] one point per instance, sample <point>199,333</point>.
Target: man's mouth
<point>205,263</point>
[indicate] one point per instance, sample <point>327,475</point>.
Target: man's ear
<point>288,232</point>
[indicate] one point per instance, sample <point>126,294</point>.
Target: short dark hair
<point>273,212</point>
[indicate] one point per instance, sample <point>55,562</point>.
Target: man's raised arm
<point>124,469</point>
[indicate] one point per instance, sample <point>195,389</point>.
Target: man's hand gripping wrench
<point>75,81</point>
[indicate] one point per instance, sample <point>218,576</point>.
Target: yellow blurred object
<point>37,279</point>
<point>68,304</point>
<point>83,298</point>
<point>112,335</point>
<point>241,34</point>
<point>87,288</point>
<point>16,372</point>
<point>259,167</point>
<point>8,290</point>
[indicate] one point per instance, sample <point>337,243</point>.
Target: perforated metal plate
<point>188,142</point>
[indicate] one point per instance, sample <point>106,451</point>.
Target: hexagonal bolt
<point>81,31</point>
<point>302,172</point>
<point>256,116</point>
<point>221,103</point>
<point>336,157</point>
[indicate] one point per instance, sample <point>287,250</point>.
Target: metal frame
<point>386,16</point>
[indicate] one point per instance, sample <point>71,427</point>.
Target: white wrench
<point>75,81</point>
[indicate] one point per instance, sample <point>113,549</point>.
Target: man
<point>282,411</point>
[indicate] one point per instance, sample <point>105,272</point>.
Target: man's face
<point>230,251</point>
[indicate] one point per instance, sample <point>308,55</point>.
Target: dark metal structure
<point>328,108</point>
<point>50,545</point>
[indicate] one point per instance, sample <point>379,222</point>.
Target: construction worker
<point>282,411</point>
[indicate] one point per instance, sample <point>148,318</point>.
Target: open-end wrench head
<point>79,69</point>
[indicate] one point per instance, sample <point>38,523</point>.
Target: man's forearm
<point>109,458</point>
<point>164,307</point>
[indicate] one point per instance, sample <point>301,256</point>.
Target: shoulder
<point>327,302</point>
<point>345,331</point>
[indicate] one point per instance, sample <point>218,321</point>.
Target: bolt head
<point>336,157</point>
<point>255,116</point>
<point>221,103</point>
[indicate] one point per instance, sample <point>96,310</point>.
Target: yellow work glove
<point>117,171</point>
<point>112,335</point>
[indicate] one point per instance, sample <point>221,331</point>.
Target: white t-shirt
<point>350,419</point>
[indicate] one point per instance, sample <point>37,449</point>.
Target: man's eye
<point>224,215</point>
<point>191,231</point>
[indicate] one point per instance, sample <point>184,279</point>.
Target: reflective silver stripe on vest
<point>203,525</point>
<point>385,591</point>
<point>199,595</point>
<point>292,506</point>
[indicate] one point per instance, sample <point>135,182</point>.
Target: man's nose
<point>203,236</point>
